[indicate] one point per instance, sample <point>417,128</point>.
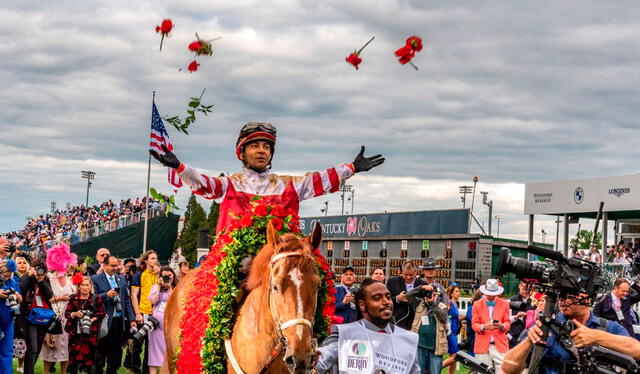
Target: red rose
<point>165,27</point>
<point>260,210</point>
<point>405,53</point>
<point>195,46</point>
<point>278,211</point>
<point>193,66</point>
<point>415,42</point>
<point>277,223</point>
<point>354,60</point>
<point>246,221</point>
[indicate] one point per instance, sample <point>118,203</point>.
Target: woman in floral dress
<point>82,347</point>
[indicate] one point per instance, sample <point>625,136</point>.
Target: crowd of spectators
<point>92,312</point>
<point>79,223</point>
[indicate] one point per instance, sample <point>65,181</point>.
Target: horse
<point>273,329</point>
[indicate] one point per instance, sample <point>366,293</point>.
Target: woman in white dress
<point>59,259</point>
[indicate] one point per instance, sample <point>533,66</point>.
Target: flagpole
<point>146,207</point>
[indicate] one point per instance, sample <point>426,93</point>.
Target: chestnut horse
<point>273,327</point>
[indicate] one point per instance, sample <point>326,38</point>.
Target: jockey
<point>255,147</point>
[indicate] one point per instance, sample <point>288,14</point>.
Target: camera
<point>84,324</point>
<point>166,279</point>
<point>12,248</point>
<point>133,269</point>
<point>565,276</point>
<point>12,303</point>
<point>41,271</point>
<point>116,300</point>
<point>518,306</point>
<point>140,333</point>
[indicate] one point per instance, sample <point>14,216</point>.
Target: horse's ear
<point>272,236</point>
<point>316,236</point>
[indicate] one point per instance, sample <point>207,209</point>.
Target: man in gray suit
<point>399,287</point>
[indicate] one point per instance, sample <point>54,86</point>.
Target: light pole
<point>473,194</point>
<point>345,188</point>
<point>543,234</point>
<point>490,205</point>
<point>53,207</point>
<point>558,222</point>
<point>89,176</point>
<point>464,190</point>
<point>326,208</point>
<point>498,218</point>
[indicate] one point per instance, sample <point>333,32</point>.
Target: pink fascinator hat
<point>59,257</point>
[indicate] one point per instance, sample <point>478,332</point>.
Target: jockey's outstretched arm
<point>201,184</point>
<point>321,183</point>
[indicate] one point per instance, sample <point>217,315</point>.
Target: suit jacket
<point>101,286</point>
<point>604,309</point>
<point>480,316</point>
<point>403,314</point>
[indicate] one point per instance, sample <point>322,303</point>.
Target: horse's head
<point>293,284</point>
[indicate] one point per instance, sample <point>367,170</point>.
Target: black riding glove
<point>362,163</point>
<point>169,159</point>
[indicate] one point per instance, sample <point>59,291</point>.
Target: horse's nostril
<point>290,361</point>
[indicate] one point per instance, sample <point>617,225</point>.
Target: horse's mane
<point>259,272</point>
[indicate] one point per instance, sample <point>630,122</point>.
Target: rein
<point>280,326</point>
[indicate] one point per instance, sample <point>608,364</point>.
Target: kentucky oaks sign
<point>390,224</point>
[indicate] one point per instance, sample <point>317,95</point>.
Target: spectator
<point>594,255</point>
<point>399,287</point>
<point>37,292</point>
<point>616,305</point>
<point>158,297</point>
<point>378,275</point>
<point>59,258</point>
<point>471,335</point>
<point>97,267</point>
<point>539,301</point>
<point>130,269</point>
<point>141,285</point>
<point>373,330</point>
<point>112,288</point>
<point>556,358</point>
<point>10,286</point>
<point>4,248</point>
<point>430,322</point>
<point>491,322</point>
<point>345,298</point>
<point>82,346</point>
<point>518,317</point>
<point>455,319</point>
<point>23,262</point>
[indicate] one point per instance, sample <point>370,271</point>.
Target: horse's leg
<point>173,315</point>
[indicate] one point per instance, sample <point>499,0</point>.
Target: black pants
<point>34,339</point>
<point>110,348</point>
<point>73,368</point>
<point>132,359</point>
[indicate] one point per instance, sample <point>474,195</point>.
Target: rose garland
<point>208,315</point>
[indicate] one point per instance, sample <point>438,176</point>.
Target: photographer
<point>518,316</point>
<point>430,322</point>
<point>345,300</point>
<point>556,358</point>
<point>399,287</point>
<point>158,297</point>
<point>37,292</point>
<point>112,288</point>
<point>83,343</point>
<point>9,297</point>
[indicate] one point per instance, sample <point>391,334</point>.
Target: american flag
<point>160,136</point>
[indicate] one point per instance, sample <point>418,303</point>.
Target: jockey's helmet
<point>254,131</point>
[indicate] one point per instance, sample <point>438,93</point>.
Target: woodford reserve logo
<point>619,191</point>
<point>353,226</point>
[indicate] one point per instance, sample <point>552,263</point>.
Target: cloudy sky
<point>513,92</point>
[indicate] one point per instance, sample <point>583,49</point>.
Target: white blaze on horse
<point>273,330</point>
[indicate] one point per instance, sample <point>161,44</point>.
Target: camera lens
<point>166,278</point>
<point>40,271</point>
<point>519,266</point>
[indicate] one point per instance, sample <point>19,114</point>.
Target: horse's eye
<point>275,288</point>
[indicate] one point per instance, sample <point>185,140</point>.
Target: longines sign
<point>390,224</point>
<point>583,195</point>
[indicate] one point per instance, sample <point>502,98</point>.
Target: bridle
<point>280,326</point>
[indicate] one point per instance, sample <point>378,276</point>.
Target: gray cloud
<point>513,92</point>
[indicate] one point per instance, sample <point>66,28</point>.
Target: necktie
<point>491,303</point>
<point>112,281</point>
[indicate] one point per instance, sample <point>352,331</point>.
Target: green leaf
<point>155,194</point>
<point>255,198</point>
<point>172,200</point>
<point>194,104</point>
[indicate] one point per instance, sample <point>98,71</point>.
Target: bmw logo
<point>578,196</point>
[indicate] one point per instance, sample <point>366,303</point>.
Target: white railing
<point>79,236</point>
